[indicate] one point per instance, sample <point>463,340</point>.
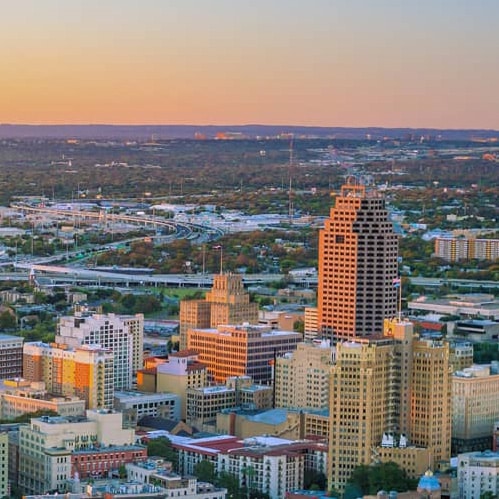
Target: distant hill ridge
<point>164,132</point>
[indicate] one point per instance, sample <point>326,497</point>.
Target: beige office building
<point>389,393</point>
<point>461,354</point>
<point>311,324</point>
<point>182,371</point>
<point>475,408</point>
<point>302,376</point>
<point>46,445</point>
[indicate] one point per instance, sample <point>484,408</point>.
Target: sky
<point>390,63</point>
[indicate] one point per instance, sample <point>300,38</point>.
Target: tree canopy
<point>369,480</point>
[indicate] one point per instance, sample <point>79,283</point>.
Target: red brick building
<point>99,462</point>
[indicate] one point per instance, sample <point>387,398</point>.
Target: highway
<point>79,275</point>
<point>58,274</point>
<point>181,229</point>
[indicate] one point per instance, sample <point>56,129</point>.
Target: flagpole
<point>400,299</point>
<point>221,259</point>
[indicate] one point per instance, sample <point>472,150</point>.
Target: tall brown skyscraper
<point>357,266</point>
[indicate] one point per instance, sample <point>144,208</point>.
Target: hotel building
<point>123,335</point>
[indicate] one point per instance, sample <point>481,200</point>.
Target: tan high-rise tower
<point>228,303</point>
<point>357,266</point>
<point>390,400</point>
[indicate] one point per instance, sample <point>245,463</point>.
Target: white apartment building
<point>121,334</point>
<point>268,464</point>
<point>477,473</point>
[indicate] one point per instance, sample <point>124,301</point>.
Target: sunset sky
<point>392,63</point>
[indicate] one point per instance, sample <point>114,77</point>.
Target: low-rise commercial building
<point>136,405</point>
<point>283,423</point>
<point>47,444</point>
<point>18,397</point>
<point>156,471</point>
<point>476,330</point>
<point>182,371</point>
<point>465,306</point>
<point>100,462</point>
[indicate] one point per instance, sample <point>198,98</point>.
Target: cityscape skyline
<point>330,64</point>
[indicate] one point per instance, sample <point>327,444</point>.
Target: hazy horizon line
<point>242,125</point>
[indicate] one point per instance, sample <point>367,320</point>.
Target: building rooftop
<point>486,455</point>
<point>184,353</point>
<point>10,337</point>
<point>136,395</point>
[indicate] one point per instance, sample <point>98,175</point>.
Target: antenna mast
<point>290,191</point>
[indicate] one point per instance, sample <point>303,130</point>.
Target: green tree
<point>299,326</point>
<point>312,478</point>
<point>488,495</point>
<point>122,471</point>
<point>7,320</point>
<point>382,476</point>
<point>204,471</point>
<point>162,447</point>
<point>231,483</point>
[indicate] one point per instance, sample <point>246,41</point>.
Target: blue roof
<point>273,417</point>
<point>429,482</point>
